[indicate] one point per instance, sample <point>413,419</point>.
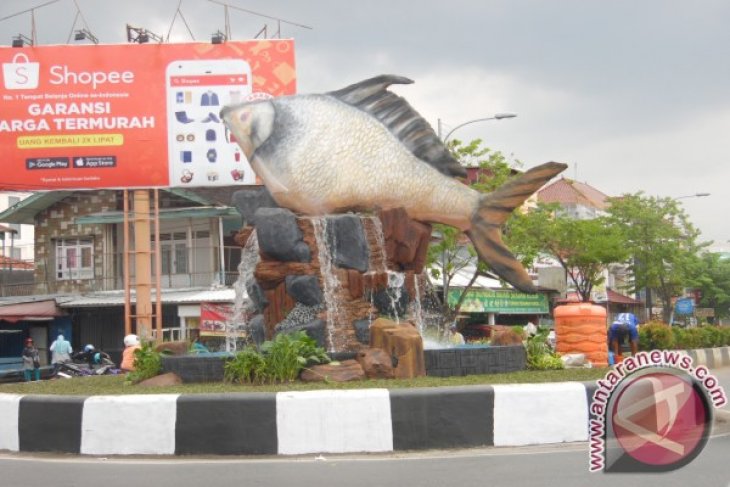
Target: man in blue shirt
<point>617,333</point>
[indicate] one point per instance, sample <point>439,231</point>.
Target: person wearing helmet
<point>86,355</point>
<point>131,344</point>
<point>31,361</point>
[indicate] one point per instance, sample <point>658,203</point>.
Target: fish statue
<point>364,147</point>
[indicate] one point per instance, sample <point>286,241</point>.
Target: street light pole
<point>498,116</point>
<point>696,195</point>
<point>439,128</point>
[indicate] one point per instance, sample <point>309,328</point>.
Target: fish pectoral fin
<point>272,183</point>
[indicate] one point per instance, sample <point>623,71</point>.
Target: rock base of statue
<point>363,254</point>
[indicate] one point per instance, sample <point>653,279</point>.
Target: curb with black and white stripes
<point>291,423</point>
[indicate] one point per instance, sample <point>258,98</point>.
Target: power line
<point>28,10</point>
<point>279,20</point>
<point>178,11</point>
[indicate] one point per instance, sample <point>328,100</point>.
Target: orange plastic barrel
<point>581,328</point>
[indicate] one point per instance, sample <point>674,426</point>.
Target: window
<point>174,253</point>
<point>75,258</point>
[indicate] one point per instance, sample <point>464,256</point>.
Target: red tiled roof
<point>614,297</point>
<point>567,191</point>
<point>7,262</point>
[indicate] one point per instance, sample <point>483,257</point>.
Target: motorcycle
<point>90,362</point>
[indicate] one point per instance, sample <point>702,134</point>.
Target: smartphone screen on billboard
<point>201,151</point>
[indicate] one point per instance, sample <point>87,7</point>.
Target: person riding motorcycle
<point>92,357</point>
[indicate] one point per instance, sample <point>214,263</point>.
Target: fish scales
<point>339,157</point>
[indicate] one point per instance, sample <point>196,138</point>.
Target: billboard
<point>500,301</point>
<point>214,318</point>
<point>132,115</point>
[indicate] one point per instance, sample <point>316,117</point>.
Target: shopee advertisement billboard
<point>130,115</point>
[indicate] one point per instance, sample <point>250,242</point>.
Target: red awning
<point>33,311</point>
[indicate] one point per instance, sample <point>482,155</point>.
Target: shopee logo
<point>62,75</point>
<point>20,74</point>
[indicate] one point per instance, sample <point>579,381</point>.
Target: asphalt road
<point>559,465</point>
<point>562,466</point>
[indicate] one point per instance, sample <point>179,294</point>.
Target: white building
<point>20,243</point>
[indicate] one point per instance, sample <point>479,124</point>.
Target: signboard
<point>132,115</point>
<point>500,301</point>
<point>684,306</point>
<point>705,312</point>
<point>214,317</point>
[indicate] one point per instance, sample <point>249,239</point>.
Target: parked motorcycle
<point>86,363</point>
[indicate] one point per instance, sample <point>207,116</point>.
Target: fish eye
<point>245,116</point>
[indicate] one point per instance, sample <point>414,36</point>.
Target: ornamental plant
<point>147,363</point>
<point>278,360</point>
<point>539,354</point>
<point>656,335</point>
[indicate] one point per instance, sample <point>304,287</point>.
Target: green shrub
<point>711,336</point>
<point>692,338</point>
<point>656,335</point>
<point>539,354</point>
<point>246,367</point>
<point>288,353</point>
<point>280,360</point>
<point>283,363</point>
<point>147,363</point>
<point>680,337</point>
<point>706,336</point>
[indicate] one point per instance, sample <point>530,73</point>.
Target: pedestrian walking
<point>60,351</point>
<point>31,361</point>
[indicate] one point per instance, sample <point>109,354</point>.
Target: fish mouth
<point>229,108</point>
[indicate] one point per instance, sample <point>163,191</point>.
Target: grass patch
<point>114,385</point>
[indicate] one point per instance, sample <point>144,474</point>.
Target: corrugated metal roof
<point>34,311</point>
<point>25,210</point>
<point>166,214</point>
<point>169,296</point>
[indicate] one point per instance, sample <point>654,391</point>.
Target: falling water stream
<point>417,310</point>
<point>395,290</point>
<point>329,278</point>
<point>243,305</point>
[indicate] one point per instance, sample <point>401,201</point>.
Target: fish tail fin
<point>493,211</point>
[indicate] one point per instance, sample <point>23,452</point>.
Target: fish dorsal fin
<point>372,96</point>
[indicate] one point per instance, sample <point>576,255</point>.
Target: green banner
<point>504,302</point>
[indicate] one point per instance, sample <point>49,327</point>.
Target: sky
<point>631,94</point>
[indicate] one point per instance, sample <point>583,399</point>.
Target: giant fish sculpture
<point>364,147</point>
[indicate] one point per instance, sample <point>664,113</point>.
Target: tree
<point>662,242</point>
<point>713,281</point>
<point>452,251</point>
<point>582,247</point>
